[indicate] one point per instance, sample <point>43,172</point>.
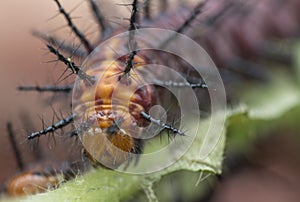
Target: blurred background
<point>261,161</point>
<point>23,62</point>
<point>20,63</point>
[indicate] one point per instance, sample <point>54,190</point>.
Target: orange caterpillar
<point>115,122</point>
<point>30,182</point>
<point>109,130</point>
<point>111,104</point>
<point>38,177</point>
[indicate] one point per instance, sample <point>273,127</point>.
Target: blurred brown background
<point>22,62</point>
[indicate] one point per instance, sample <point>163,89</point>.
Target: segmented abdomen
<point>112,108</point>
<point>31,183</point>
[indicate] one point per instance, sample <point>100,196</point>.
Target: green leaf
<point>265,107</point>
<point>105,185</point>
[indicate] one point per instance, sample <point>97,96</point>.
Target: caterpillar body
<point>116,122</point>
<point>112,99</point>
<point>118,78</point>
<point>29,182</point>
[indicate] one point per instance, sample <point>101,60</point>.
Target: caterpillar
<point>119,126</point>
<point>39,177</point>
<point>98,84</point>
<point>112,119</point>
<point>28,183</point>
